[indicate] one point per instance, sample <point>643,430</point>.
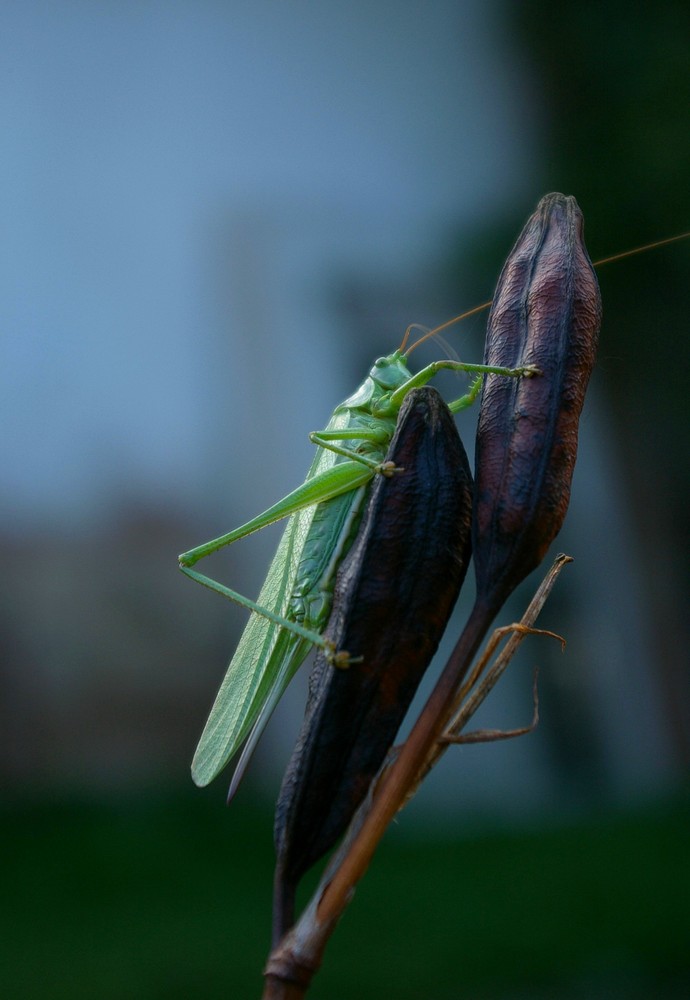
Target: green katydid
<point>293,607</point>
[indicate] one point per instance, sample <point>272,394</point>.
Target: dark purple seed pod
<point>546,312</point>
<point>393,596</point>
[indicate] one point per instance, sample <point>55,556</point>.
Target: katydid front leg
<point>426,374</point>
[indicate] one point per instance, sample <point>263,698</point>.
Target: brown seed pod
<point>546,312</point>
<point>393,596</point>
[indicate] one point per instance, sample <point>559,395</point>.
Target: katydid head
<point>385,376</point>
<point>390,372</point>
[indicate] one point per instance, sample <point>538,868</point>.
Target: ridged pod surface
<point>546,312</point>
<point>393,596</point>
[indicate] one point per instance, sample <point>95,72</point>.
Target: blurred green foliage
<point>163,898</point>
<point>615,81</point>
<point>614,85</point>
<point>612,82</point>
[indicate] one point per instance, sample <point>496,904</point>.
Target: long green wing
<point>262,649</point>
<point>267,655</point>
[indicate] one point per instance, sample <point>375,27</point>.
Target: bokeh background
<point>215,215</point>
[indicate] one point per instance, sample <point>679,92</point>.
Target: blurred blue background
<point>215,216</point>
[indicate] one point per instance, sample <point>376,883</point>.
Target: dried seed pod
<point>546,312</point>
<point>393,596</point>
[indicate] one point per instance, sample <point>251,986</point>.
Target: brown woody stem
<point>293,963</point>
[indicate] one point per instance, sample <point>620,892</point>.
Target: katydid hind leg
<point>246,602</point>
<point>330,445</point>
